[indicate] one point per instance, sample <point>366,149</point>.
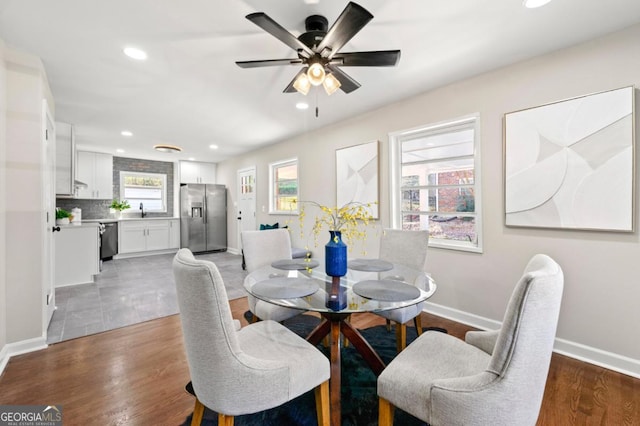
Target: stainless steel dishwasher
<point>109,240</point>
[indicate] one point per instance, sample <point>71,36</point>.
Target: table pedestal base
<point>334,324</point>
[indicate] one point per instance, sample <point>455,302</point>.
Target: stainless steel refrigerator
<point>203,217</point>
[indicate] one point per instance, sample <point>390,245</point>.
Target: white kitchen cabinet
<point>65,159</point>
<point>137,236</point>
<point>77,254</point>
<point>174,233</point>
<point>96,170</point>
<point>197,172</point>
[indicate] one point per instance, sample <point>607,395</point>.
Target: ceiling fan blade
<point>290,88</point>
<point>352,19</point>
<point>276,30</point>
<point>380,58</point>
<point>347,84</point>
<point>268,63</point>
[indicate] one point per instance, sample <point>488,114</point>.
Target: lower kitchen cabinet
<point>138,236</point>
<point>77,254</point>
<point>174,233</point>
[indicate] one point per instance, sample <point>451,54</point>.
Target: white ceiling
<point>190,92</point>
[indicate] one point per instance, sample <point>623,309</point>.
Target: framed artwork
<point>357,175</point>
<point>570,164</point>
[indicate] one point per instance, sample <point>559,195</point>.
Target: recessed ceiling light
<point>167,148</point>
<point>532,4</point>
<point>126,133</point>
<point>120,151</point>
<point>135,53</point>
<point>302,105</point>
<point>213,146</point>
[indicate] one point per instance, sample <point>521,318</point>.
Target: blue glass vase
<point>335,254</point>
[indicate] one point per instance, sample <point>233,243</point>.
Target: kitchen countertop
<point>126,219</point>
<point>82,224</point>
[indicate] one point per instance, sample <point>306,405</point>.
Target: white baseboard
<point>144,253</point>
<point>460,316</point>
<point>19,348</point>
<point>233,250</point>
<point>605,359</point>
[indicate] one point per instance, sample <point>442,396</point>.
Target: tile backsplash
<point>99,209</point>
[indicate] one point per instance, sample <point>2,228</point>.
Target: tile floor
<point>129,291</point>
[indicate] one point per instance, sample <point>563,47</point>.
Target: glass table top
<point>359,291</point>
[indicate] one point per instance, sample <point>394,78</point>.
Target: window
<point>150,189</point>
<point>434,183</point>
<point>283,187</point>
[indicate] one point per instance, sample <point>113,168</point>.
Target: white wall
<point>21,203</point>
<point>600,314</point>
<point>3,206</point>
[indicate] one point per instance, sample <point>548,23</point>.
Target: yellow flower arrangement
<point>351,220</point>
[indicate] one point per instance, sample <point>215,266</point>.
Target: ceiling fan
<point>319,53</point>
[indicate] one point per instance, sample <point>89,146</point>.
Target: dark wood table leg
<point>364,348</point>
<point>335,382</point>
<point>318,333</point>
<point>335,324</point>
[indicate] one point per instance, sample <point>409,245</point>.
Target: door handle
<point>55,228</point>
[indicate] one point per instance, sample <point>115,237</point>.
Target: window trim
<point>395,175</point>
<point>162,176</point>
<point>272,167</point>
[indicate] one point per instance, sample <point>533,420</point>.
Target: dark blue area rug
<point>359,397</point>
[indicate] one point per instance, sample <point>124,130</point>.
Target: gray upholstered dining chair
<point>261,248</point>
<point>235,372</point>
<point>405,248</point>
<point>495,377</point>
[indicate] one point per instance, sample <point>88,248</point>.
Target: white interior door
<point>49,207</point>
<point>246,201</point>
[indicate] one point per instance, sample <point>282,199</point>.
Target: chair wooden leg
<point>322,404</point>
<point>345,341</point>
<point>385,413</point>
<point>224,420</point>
<point>198,412</point>
<point>417,321</point>
<point>388,325</point>
<point>401,337</point>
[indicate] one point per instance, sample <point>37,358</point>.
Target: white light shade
<point>532,4</point>
<point>302,84</point>
<point>135,53</point>
<point>331,84</point>
<point>302,105</point>
<point>316,74</point>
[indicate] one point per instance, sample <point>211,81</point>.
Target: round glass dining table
<point>370,285</point>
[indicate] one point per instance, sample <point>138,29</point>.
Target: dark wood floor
<point>136,376</point>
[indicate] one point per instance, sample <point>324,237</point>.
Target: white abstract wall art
<point>357,175</point>
<point>570,164</point>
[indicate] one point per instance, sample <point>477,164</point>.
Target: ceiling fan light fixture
<point>167,148</point>
<point>302,84</point>
<point>316,74</point>
<point>330,84</point>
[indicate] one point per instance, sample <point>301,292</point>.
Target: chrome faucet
<point>142,210</point>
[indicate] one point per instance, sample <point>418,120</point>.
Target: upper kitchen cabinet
<point>196,172</point>
<point>96,171</point>
<point>65,160</point>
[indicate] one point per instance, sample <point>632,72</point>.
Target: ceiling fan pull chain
<point>316,103</point>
